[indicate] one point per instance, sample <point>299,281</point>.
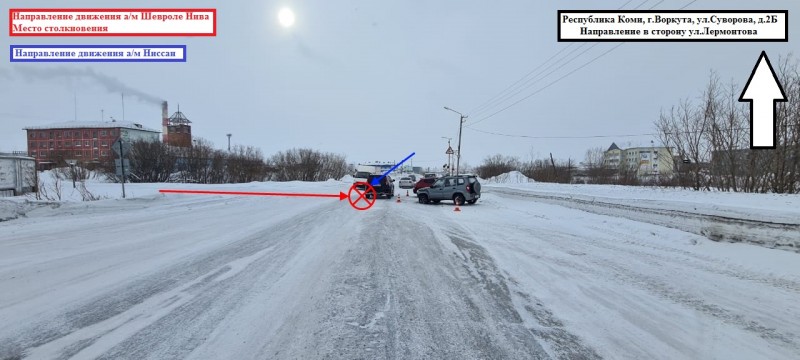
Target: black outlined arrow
<point>763,91</point>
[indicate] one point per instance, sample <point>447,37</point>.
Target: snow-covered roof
<point>91,125</point>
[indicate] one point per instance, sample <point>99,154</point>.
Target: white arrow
<point>762,91</point>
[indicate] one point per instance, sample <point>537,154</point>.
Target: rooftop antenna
<point>102,115</point>
<point>75,94</point>
<point>123,106</point>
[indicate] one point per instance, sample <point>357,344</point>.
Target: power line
<point>501,97</point>
<point>569,73</point>
<point>561,137</point>
<point>622,135</point>
<point>687,5</point>
<point>500,94</point>
<point>509,96</point>
<point>548,85</point>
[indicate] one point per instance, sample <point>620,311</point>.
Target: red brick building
<point>177,129</point>
<point>87,142</point>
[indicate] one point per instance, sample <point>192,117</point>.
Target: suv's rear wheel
<point>458,199</point>
<point>423,199</point>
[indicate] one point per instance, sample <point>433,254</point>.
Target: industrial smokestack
<point>164,121</point>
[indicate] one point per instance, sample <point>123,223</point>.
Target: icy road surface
<point>220,277</point>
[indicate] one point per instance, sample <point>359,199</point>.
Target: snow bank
<point>8,210</point>
<point>769,220</point>
<point>514,177</point>
<point>347,179</point>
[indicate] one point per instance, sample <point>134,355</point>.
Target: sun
<point>286,17</point>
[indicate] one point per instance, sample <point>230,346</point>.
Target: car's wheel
<point>423,199</point>
<point>458,199</point>
<point>471,201</point>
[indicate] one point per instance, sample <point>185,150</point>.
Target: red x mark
<point>369,195</point>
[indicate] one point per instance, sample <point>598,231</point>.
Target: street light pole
<point>460,126</point>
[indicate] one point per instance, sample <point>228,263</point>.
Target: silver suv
<point>459,188</point>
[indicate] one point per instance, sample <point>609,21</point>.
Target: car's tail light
<point>468,189</point>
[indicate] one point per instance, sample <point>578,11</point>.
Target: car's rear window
<point>362,174</point>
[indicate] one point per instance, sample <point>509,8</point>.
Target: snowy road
<point>213,277</point>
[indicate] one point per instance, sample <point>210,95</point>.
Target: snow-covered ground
<point>525,273</point>
<point>514,177</point>
<point>771,220</point>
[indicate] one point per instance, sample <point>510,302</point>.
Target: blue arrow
<point>377,181</point>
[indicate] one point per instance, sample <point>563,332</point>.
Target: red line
<point>250,193</point>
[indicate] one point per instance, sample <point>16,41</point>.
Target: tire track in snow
<point>784,236</point>
<point>399,292</point>
<point>560,342</point>
<point>627,274</point>
<point>181,289</point>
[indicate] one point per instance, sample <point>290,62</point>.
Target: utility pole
<point>460,126</point>
<point>229,142</point>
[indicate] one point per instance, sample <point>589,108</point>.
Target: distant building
<point>176,129</point>
<point>646,162</point>
<point>375,167</point>
<point>88,141</point>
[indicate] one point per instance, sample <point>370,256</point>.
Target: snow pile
<point>513,177</point>
<point>8,210</point>
<point>347,179</point>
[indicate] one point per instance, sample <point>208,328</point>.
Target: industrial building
<point>90,141</point>
<point>85,141</point>
<point>176,129</point>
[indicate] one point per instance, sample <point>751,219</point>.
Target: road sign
<point>126,147</point>
<point>449,151</point>
<point>118,163</point>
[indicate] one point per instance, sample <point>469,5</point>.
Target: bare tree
<point>549,170</point>
<point>785,158</point>
<point>307,165</point>
<point>151,161</point>
<point>56,185</point>
<point>87,195</point>
<point>684,128</point>
<point>246,164</point>
<point>596,170</point>
<point>497,164</point>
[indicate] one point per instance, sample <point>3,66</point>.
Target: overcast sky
<point>369,79</point>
